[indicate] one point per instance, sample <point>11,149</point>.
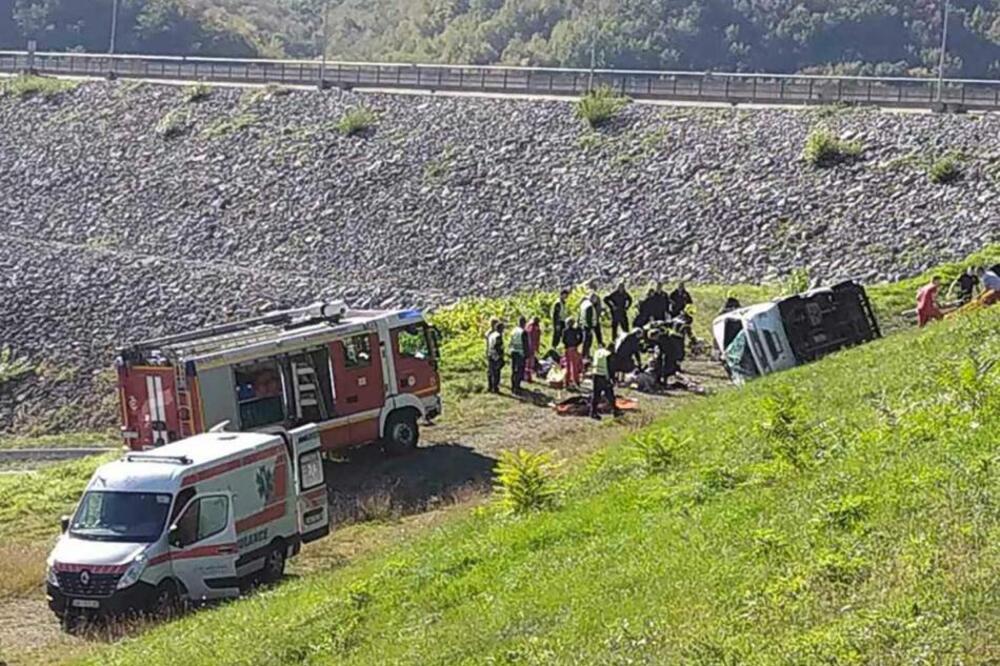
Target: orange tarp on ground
<point>580,406</point>
<point>984,301</point>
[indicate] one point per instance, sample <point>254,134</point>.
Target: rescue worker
<point>967,284</point>
<point>644,316</point>
<point>534,332</point>
<point>680,299</point>
<point>990,279</point>
<point>559,318</point>
<point>590,322</point>
<point>628,348</point>
<point>654,307</point>
<point>927,304</point>
<point>603,384</point>
<point>519,346</point>
<point>619,301</point>
<point>494,355</point>
<point>571,339</point>
<point>732,303</point>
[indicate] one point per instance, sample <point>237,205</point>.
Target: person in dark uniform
<point>519,346</point>
<point>494,356</point>
<point>628,348</point>
<point>967,285</point>
<point>658,304</point>
<point>559,318</point>
<point>619,301</point>
<point>679,300</point>
<point>732,303</point>
<point>590,322</point>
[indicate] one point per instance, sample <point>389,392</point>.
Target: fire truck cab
<point>361,376</point>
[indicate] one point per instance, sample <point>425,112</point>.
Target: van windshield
<point>118,516</point>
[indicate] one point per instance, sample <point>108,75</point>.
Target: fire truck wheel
<point>401,433</point>
<point>274,564</point>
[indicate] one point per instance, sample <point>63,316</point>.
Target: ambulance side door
<point>310,485</point>
<point>203,548</point>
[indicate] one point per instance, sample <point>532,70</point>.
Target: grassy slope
<point>846,512</point>
<point>27,525</point>
<point>30,506</point>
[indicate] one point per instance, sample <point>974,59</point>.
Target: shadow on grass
<point>367,485</point>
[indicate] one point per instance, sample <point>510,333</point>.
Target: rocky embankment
<point>131,210</point>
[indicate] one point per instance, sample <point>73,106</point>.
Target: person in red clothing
<point>572,339</point>
<point>927,305</point>
<point>534,331</point>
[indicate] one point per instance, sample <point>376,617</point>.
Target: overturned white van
<point>195,520</point>
<point>771,337</point>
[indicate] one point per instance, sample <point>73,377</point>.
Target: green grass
<point>356,121</point>
<point>70,440</point>
<point>30,506</point>
<point>174,123</point>
<point>946,169</point>
<point>197,92</point>
<point>34,86</point>
<point>846,512</point>
<point>825,149</point>
<point>600,106</point>
<point>230,125</point>
<point>13,367</point>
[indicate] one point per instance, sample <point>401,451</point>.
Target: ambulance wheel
<point>274,564</point>
<point>401,433</point>
<point>165,601</point>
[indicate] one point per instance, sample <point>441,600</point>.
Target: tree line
<point>884,37</point>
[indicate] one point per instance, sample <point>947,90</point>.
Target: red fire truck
<point>361,376</point>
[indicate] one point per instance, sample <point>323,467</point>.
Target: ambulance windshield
<point>117,516</point>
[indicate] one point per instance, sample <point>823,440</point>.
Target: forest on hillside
<point>845,36</point>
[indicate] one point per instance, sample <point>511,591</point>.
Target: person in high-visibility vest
<point>494,356</point>
<point>604,385</point>
<point>518,353</point>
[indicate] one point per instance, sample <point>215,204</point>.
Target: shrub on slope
<point>861,530</point>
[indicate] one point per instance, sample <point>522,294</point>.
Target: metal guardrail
<point>639,84</point>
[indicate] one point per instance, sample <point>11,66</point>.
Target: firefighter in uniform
<point>604,385</point>
<point>559,318</point>
<point>518,353</point>
<point>494,356</point>
<point>619,301</point>
<point>590,322</point>
<point>628,351</point>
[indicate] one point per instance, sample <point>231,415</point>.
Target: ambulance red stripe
<point>229,466</point>
<point>270,513</point>
<point>195,553</point>
<point>92,568</point>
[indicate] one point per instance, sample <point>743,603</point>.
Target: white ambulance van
<point>193,521</point>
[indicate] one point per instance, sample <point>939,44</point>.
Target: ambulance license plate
<point>85,603</point>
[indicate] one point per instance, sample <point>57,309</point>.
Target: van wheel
<point>274,564</point>
<point>401,433</point>
<point>165,601</point>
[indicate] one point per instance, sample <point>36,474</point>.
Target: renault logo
<point>85,578</point>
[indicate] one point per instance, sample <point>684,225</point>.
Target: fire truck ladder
<point>185,409</point>
<point>305,386</point>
